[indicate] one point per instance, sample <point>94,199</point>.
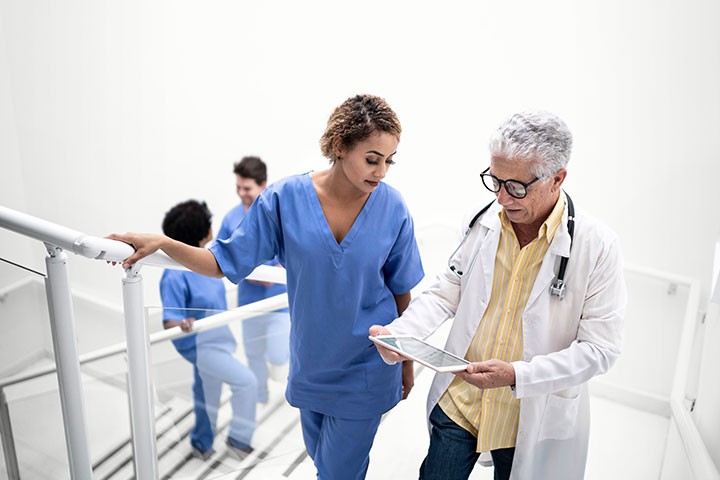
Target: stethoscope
<point>557,288</point>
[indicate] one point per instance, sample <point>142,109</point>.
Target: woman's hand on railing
<point>144,244</point>
<point>197,259</point>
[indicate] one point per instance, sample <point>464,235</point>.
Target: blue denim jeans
<point>452,455</point>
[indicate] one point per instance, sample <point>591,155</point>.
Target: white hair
<point>539,137</point>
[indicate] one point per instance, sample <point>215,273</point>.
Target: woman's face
<point>366,163</point>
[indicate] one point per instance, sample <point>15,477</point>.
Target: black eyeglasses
<point>514,188</point>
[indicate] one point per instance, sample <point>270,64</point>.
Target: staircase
<point>277,442</point>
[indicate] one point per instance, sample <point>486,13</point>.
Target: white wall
<point>12,189</point>
<point>110,112</point>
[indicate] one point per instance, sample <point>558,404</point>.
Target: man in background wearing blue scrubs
<point>265,337</point>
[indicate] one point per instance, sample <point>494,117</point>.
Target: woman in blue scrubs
<point>347,242</point>
<point>189,296</point>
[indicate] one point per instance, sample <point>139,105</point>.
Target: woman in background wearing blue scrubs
<point>347,242</point>
<point>186,297</point>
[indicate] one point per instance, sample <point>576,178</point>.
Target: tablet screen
<point>425,353</point>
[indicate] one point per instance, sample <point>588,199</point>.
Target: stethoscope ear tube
<point>457,272</point>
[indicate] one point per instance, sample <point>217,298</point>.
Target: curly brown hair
<point>356,119</point>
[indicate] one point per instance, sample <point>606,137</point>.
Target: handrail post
<point>142,416</point>
<point>62,325</point>
<point>8,443</point>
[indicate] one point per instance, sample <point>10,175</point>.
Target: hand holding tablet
<point>422,352</point>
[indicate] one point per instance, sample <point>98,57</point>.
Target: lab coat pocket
<point>560,417</point>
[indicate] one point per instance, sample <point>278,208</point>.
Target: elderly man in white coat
<point>535,327</point>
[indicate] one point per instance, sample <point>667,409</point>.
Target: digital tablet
<point>422,352</point>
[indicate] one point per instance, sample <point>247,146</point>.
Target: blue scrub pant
<point>217,366</point>
<point>202,434</point>
<point>339,447</point>
<point>451,454</point>
<point>265,339</point>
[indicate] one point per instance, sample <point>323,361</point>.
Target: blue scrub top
<point>248,292</point>
<point>336,292</point>
<point>188,294</point>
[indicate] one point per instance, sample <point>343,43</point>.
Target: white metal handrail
<point>57,239</point>
<point>243,312</point>
<point>99,248</point>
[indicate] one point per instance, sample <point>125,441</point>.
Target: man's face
<point>541,196</point>
<point>248,189</point>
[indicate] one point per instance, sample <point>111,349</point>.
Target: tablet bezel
<point>460,366</point>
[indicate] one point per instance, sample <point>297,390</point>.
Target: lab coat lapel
<point>559,247</point>
<point>488,249</point>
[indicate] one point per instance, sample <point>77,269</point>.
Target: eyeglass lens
<point>515,189</point>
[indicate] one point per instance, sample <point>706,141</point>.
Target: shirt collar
<point>549,226</point>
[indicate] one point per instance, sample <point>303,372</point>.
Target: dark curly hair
<point>188,222</point>
<point>356,119</point>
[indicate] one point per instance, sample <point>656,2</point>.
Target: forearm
<point>402,301</point>
<point>196,259</point>
<point>199,260</point>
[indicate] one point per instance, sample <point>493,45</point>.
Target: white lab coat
<point>565,343</point>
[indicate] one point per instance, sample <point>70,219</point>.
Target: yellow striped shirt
<point>492,415</point>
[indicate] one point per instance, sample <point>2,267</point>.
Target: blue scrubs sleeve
<point>255,241</point>
<point>174,294</point>
<point>403,268</point>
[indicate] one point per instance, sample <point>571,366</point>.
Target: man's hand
<point>489,374</point>
<point>390,357</point>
